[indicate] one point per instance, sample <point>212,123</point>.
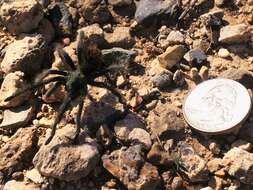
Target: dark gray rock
<point>61,19</point>
<point>163,80</point>
<point>148,12</point>
<point>118,56</point>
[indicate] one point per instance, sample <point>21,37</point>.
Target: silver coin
<point>217,106</point>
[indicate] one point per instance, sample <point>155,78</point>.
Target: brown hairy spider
<point>76,82</point>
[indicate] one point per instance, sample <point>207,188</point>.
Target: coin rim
<point>225,131</point>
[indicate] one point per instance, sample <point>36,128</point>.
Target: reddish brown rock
<point>130,168</point>
<point>165,123</point>
<point>25,55</point>
<point>18,151</point>
<point>21,16</point>
<point>13,82</point>
<point>64,160</point>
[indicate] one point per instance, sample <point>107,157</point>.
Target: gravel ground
<point>166,48</point>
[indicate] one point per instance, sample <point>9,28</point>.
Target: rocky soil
<point>167,47</point>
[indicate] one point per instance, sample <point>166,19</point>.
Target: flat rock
<point>21,16</point>
<point>20,185</point>
<point>128,165</point>
<point>118,56</point>
<point>239,164</point>
<point>25,55</point>
<point>242,76</point>
<point>17,117</point>
<point>63,160</point>
<point>94,33</point>
<point>13,82</point>
<point>165,123</point>
<point>149,12</point>
<point>196,167</point>
<point>140,136</point>
<point>171,56</point>
<point>123,127</point>
<point>120,37</point>
<point>19,149</point>
<point>234,33</point>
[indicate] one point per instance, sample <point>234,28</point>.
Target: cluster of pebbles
<point>169,47</point>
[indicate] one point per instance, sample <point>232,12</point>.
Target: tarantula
<point>76,82</point>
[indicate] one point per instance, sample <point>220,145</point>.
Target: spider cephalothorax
<point>75,81</point>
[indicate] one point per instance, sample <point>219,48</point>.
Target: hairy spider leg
<point>62,109</point>
<point>113,90</point>
<point>66,59</point>
<point>83,63</point>
<point>49,72</point>
<point>78,119</point>
<point>53,88</point>
<point>36,85</point>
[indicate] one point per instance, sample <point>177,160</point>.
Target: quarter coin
<point>217,106</point>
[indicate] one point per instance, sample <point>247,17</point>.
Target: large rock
<point>196,167</point>
<point>20,185</point>
<point>130,168</point>
<point>21,16</point>
<point>165,123</point>
<point>235,33</point>
<point>13,82</point>
<point>17,117</point>
<point>94,33</point>
<point>95,11</point>
<point>25,55</point>
<point>243,76</point>
<point>149,12</point>
<point>18,150</point>
<point>120,37</point>
<point>63,160</point>
<point>239,164</point>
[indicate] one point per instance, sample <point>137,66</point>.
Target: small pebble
<point>223,53</point>
<point>204,73</point>
<point>66,41</point>
<point>194,74</point>
<point>214,147</point>
<point>179,78</point>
